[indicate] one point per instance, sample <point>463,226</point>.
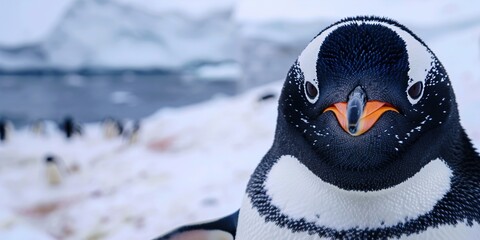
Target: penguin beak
<point>357,115</point>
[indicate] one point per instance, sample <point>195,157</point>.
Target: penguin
<point>368,145</point>
<point>70,127</point>
<point>132,134</point>
<point>266,97</point>
<point>52,171</point>
<point>6,129</point>
<point>112,128</point>
<point>39,128</point>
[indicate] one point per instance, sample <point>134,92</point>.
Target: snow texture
<point>25,22</point>
<point>189,164</point>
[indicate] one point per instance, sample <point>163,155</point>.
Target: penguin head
<point>368,104</point>
<point>50,159</point>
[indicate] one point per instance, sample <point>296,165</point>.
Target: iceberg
<point>262,37</point>
<point>97,34</point>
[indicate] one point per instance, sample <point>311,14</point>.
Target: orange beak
<point>371,113</point>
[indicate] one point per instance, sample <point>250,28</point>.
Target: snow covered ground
<point>190,164</point>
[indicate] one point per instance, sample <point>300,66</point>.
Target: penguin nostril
<point>352,129</point>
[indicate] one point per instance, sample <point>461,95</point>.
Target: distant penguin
<point>38,128</point>
<point>368,145</point>
<point>266,97</point>
<point>69,127</point>
<point>6,129</point>
<point>52,170</point>
<point>112,128</point>
<point>132,134</point>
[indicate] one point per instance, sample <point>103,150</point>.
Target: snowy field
<point>190,163</point>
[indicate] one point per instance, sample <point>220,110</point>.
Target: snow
<point>189,164</point>
<point>218,72</point>
<point>184,34</point>
<point>190,8</point>
<point>121,34</point>
<point>23,24</point>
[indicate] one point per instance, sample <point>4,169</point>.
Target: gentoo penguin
<point>52,171</point>
<point>39,127</point>
<point>266,97</point>
<point>5,130</point>
<point>132,134</point>
<point>70,127</point>
<point>368,145</point>
<point>112,128</point>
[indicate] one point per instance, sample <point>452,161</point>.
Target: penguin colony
<point>55,168</point>
<point>368,145</point>
<point>68,127</point>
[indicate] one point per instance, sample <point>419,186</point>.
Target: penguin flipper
<point>221,229</point>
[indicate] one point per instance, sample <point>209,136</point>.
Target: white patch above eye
<point>420,59</point>
<point>299,193</point>
<point>307,61</point>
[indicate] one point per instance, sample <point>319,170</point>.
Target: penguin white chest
<point>305,199</point>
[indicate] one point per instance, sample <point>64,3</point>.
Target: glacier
<point>260,37</point>
<point>97,34</point>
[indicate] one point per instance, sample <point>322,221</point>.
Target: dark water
<point>24,99</point>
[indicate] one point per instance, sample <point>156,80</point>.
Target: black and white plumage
<point>39,127</point>
<point>6,129</point>
<point>69,127</point>
<point>112,128</point>
<point>368,145</point>
<point>132,131</point>
<point>52,170</point>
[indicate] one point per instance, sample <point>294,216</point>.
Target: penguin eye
<point>415,90</point>
<point>311,90</point>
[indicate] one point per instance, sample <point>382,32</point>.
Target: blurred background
<point>122,119</point>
